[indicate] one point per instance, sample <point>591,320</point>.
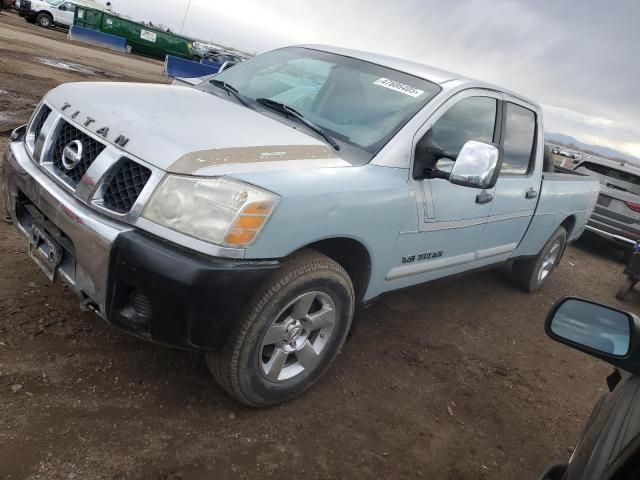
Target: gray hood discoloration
<point>186,130</point>
<point>196,162</point>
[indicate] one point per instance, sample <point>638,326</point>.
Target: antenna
<point>186,12</point>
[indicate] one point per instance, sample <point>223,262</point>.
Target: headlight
<point>216,210</point>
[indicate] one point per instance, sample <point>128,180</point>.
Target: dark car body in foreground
<point>609,448</point>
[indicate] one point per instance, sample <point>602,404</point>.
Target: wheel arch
<point>350,254</point>
<point>569,224</point>
<point>44,12</point>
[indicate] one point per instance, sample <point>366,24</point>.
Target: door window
<point>519,134</point>
<point>473,118</point>
<point>67,7</point>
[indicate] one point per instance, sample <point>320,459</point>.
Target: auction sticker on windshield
<point>399,87</point>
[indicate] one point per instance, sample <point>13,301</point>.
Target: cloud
<point>577,55</point>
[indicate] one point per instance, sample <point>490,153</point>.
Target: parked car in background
<point>54,13</point>
<point>609,447</point>
<point>300,186</point>
<point>200,50</point>
<point>224,57</point>
<point>567,153</point>
<point>203,51</point>
<point>617,213</point>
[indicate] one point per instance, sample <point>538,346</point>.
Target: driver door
<point>65,14</point>
<point>452,217</point>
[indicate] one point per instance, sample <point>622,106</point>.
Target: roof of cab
<point>432,74</point>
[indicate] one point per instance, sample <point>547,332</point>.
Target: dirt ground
<point>453,380</point>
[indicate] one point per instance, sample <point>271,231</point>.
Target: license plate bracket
<point>45,252</point>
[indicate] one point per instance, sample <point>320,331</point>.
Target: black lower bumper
<point>27,13</point>
<point>176,297</point>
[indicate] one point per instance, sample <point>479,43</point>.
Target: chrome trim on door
<point>432,265</point>
<point>434,226</point>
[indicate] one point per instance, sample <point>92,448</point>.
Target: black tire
<point>239,368</point>
<point>626,287</point>
<point>44,20</point>
<point>525,273</point>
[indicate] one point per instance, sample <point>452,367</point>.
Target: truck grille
<point>43,114</point>
<point>124,187</point>
<point>91,149</point>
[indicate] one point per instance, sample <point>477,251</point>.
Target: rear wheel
<point>626,287</point>
<point>44,20</point>
<point>531,274</point>
<point>290,334</point>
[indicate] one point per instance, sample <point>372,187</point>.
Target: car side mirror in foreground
<point>477,165</point>
<point>601,331</point>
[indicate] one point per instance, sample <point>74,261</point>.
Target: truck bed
<point>565,196</point>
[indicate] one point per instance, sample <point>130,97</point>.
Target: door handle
<point>484,197</point>
<point>531,193</point>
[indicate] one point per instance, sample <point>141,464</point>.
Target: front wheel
<point>531,274</point>
<point>44,20</point>
<point>291,332</point>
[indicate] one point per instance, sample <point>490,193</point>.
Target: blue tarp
<point>211,63</point>
<point>99,39</point>
<point>181,68</point>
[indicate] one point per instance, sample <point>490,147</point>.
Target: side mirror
<point>601,331</point>
<point>477,165</point>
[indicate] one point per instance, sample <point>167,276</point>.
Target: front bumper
<point>142,284</point>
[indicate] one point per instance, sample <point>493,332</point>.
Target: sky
<point>580,59</point>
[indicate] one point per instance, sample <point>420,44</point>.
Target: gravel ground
<point>452,380</point>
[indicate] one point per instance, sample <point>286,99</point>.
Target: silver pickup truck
<point>249,217</point>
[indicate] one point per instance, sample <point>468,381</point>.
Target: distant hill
<point>570,142</point>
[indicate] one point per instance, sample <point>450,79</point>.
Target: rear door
<point>518,186</point>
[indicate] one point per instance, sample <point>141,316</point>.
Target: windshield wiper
<point>230,89</point>
<point>290,111</point>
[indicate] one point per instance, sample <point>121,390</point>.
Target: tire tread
<point>524,271</point>
<point>224,365</point>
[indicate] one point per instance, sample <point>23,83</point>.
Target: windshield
<point>356,102</point>
<point>623,180</point>
<point>55,3</point>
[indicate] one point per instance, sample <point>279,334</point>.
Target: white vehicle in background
<point>47,14</point>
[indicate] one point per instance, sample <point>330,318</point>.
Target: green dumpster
<point>142,39</point>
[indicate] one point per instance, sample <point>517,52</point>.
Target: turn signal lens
<point>249,223</point>
<point>239,236</point>
<point>259,208</point>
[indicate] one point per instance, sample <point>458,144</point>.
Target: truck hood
<point>187,131</point>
